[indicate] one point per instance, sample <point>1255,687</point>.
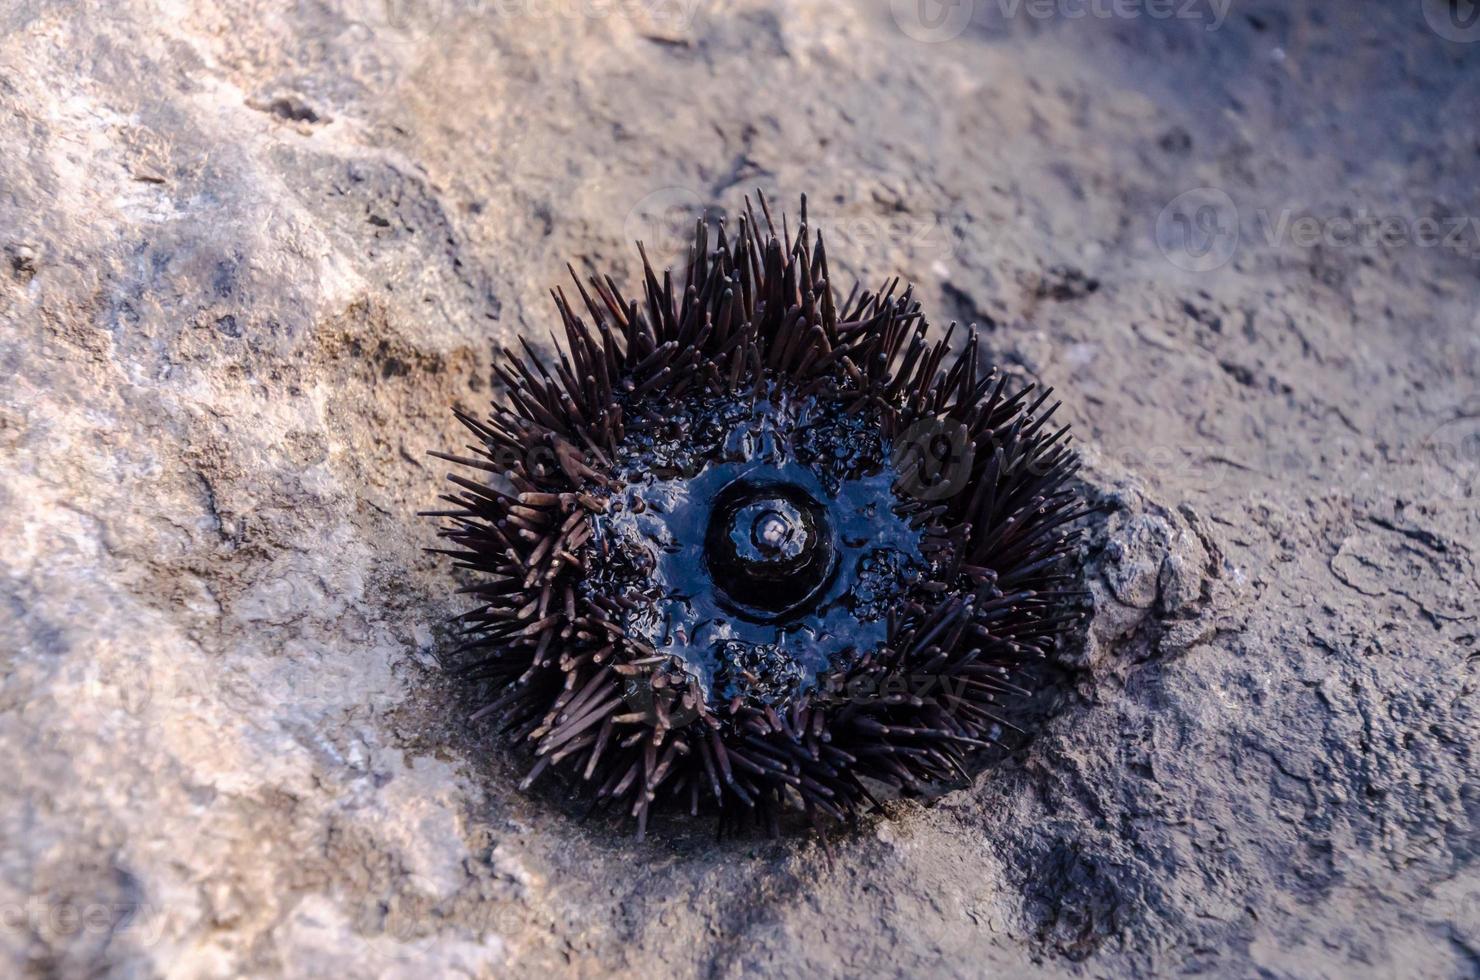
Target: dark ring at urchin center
<point>769,548</point>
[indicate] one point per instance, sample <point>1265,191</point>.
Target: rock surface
<point>254,254</point>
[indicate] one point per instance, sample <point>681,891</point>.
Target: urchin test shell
<point>746,548</point>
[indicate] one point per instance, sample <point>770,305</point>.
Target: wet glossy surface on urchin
<point>679,541</point>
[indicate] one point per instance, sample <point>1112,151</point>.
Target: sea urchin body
<point>754,547</point>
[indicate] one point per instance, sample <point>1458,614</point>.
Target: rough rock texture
<point>253,255</point>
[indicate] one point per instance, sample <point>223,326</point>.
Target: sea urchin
<point>752,547</point>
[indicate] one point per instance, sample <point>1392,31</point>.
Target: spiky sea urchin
<point>755,547</point>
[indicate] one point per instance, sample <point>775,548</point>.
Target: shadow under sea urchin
<point>757,546</point>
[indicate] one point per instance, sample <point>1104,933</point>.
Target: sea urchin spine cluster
<point>755,547</point>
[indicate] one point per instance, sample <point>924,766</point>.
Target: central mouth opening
<point>769,548</point>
